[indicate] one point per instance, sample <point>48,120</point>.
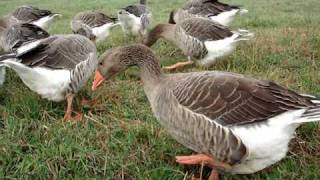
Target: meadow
<point>119,138</point>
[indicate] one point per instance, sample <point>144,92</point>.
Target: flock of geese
<point>236,124</point>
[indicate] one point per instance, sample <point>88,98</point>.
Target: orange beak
<point>98,80</point>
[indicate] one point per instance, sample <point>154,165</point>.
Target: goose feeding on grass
<point>33,15</point>
<point>237,124</point>
<point>55,67</point>
<point>135,19</point>
<point>94,25</point>
<point>200,39</point>
<point>211,9</point>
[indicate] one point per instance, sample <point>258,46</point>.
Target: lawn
<point>122,139</point>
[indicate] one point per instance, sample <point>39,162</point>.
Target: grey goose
<point>212,9</point>
<point>237,124</point>
<point>33,15</point>
<point>55,67</point>
<point>201,40</point>
<point>94,25</point>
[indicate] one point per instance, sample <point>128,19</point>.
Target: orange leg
<point>68,113</point>
<point>178,65</point>
<point>202,159</point>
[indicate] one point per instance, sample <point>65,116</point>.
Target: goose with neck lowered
<point>201,40</point>
<point>55,67</point>
<point>94,25</point>
<point>236,124</point>
<point>211,9</point>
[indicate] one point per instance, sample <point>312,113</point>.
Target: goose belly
<point>130,24</point>
<point>102,32</point>
<point>267,144</point>
<point>50,84</point>
<point>217,49</point>
<point>225,18</point>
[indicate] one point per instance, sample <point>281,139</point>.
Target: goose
<point>135,19</point>
<point>211,9</point>
<point>16,36</point>
<point>94,25</point>
<point>200,39</point>
<point>229,119</point>
<point>55,67</point>
<point>30,14</point>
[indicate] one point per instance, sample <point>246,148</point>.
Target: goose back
<point>30,13</point>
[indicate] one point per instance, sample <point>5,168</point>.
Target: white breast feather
<point>50,84</point>
<point>130,24</point>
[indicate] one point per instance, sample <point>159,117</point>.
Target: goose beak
<point>98,80</point>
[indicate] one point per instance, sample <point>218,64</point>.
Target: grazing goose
<point>16,36</point>
<point>135,19</point>
<point>199,39</point>
<point>237,124</point>
<point>94,25</point>
<point>29,14</point>
<point>55,67</point>
<point>212,9</point>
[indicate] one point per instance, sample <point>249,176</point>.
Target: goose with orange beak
<point>230,120</point>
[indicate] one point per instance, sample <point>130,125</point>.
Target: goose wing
<point>204,29</point>
<point>30,13</point>
<point>59,52</point>
<point>231,99</point>
<point>19,34</point>
<point>94,19</point>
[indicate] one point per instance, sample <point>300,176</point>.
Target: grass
<point>123,140</point>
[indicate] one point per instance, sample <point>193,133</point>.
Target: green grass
<point>123,140</point>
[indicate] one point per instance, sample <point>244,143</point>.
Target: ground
<point>122,139</point>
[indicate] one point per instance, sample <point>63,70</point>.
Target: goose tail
<point>244,35</point>
<point>310,115</point>
<point>242,11</point>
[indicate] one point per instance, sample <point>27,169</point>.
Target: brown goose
<point>94,25</point>
<point>135,19</point>
<point>200,39</point>
<point>230,120</point>
<point>19,35</point>
<point>55,67</point>
<point>211,9</point>
<point>29,14</point>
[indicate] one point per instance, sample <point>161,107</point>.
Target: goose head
<point>117,60</point>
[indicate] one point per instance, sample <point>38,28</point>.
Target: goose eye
<point>100,63</point>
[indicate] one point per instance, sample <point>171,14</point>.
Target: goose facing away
<point>200,39</point>
<point>135,19</point>
<point>55,67</point>
<point>29,14</point>
<point>229,119</point>
<point>212,9</point>
<point>94,25</point>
